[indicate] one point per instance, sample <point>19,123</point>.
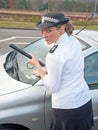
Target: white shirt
<point>65,78</point>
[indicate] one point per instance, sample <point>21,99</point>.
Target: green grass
<point>89,27</point>
<point>90,24</point>
<point>10,24</point>
<point>31,25</point>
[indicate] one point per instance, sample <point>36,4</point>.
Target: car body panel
<point>94,95</point>
<point>90,37</point>
<point>25,106</point>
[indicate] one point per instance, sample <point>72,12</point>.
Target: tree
<point>3,4</point>
<point>11,4</point>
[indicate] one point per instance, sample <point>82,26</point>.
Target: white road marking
<point>12,38</point>
<point>7,39</point>
<point>28,37</point>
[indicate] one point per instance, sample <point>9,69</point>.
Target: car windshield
<point>17,64</point>
<point>39,49</point>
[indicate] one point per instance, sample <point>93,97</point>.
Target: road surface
<point>16,36</point>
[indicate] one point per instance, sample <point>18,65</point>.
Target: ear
<point>62,29</point>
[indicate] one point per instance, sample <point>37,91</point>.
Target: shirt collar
<point>61,38</point>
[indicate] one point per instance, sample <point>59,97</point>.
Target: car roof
<point>89,36</point>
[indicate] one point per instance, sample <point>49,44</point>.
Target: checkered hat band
<point>49,19</point>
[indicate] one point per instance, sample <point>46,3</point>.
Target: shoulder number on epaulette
<point>53,48</point>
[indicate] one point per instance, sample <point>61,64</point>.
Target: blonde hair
<point>69,28</point>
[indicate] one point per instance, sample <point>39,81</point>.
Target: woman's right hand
<point>38,71</point>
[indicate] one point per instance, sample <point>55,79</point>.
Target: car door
<point>48,113</point>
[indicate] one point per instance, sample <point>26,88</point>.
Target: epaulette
<point>53,48</point>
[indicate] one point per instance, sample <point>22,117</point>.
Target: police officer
<point>64,77</point>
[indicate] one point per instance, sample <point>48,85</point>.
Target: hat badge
<point>49,19</point>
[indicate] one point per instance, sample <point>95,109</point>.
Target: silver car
<point>24,101</point>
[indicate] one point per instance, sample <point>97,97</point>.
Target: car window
<point>39,49</point>
<point>91,70</point>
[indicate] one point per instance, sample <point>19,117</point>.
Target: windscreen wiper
<point>11,65</point>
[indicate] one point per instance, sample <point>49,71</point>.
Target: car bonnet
<point>7,83</point>
<point>89,36</point>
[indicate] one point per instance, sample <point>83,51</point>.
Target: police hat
<point>52,19</point>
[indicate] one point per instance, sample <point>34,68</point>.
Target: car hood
<point>89,36</point>
<point>7,83</point>
<point>92,34</point>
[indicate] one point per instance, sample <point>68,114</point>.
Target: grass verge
<point>31,25</point>
<point>21,25</point>
<point>89,27</point>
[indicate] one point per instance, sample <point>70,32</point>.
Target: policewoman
<point>64,78</point>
